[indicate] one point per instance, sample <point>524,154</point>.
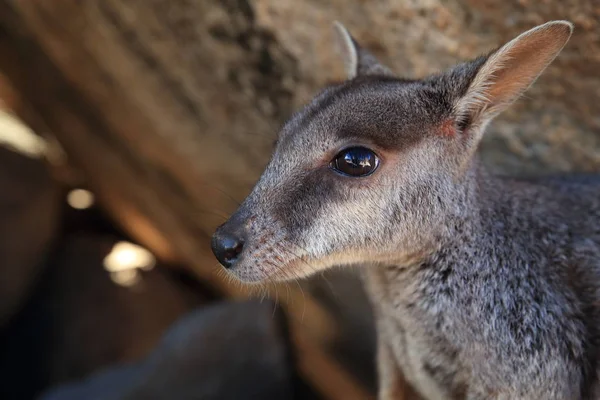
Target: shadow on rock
<point>236,350</point>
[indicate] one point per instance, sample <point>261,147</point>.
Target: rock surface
<point>229,351</point>
<point>556,127</point>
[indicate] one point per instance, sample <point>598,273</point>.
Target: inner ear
<point>508,72</point>
<point>521,61</point>
<point>357,61</point>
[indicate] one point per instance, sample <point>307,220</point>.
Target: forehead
<point>390,113</point>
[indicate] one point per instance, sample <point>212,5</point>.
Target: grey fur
<point>483,287</point>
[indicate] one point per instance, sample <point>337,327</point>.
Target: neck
<point>461,243</point>
<point>467,213</point>
<point>470,215</point>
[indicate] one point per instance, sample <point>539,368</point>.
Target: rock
<point>555,127</point>
<point>231,351</point>
<point>29,211</point>
<point>80,321</point>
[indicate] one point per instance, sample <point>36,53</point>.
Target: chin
<point>270,272</point>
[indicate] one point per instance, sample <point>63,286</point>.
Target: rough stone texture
<point>228,351</point>
<point>29,212</point>
<point>556,127</point>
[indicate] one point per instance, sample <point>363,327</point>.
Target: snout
<point>228,243</point>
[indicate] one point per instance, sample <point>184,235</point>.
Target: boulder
<point>79,320</point>
<point>236,351</point>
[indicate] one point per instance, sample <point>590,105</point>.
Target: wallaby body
<point>482,287</point>
<point>506,306</point>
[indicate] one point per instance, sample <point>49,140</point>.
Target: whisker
<point>329,285</point>
<point>314,269</point>
<point>287,289</point>
<point>230,197</point>
<point>276,300</point>
<point>295,279</point>
<point>216,213</point>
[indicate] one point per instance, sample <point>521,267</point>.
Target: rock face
<point>556,127</point>
<point>228,351</point>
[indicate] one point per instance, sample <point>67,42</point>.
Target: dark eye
<point>355,161</point>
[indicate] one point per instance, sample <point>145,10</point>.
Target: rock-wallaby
<point>482,287</point>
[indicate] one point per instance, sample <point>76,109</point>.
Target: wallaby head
<point>373,169</point>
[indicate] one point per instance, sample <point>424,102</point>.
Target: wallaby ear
<point>357,61</point>
<point>510,71</point>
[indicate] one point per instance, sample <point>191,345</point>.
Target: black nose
<point>227,247</point>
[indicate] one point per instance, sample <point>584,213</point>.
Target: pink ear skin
<point>448,128</point>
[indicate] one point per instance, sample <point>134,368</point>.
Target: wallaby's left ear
<point>357,61</point>
<point>510,71</point>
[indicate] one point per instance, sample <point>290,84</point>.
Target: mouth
<point>257,269</point>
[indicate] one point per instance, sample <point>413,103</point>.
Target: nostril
<point>232,249</point>
<point>227,249</point>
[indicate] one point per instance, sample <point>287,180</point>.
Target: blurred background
<point>130,129</point>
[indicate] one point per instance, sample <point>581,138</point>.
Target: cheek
<point>323,212</point>
<point>353,224</point>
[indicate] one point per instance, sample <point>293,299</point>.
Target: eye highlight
<point>355,162</point>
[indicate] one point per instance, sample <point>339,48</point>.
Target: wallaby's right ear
<point>357,61</point>
<point>508,72</point>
